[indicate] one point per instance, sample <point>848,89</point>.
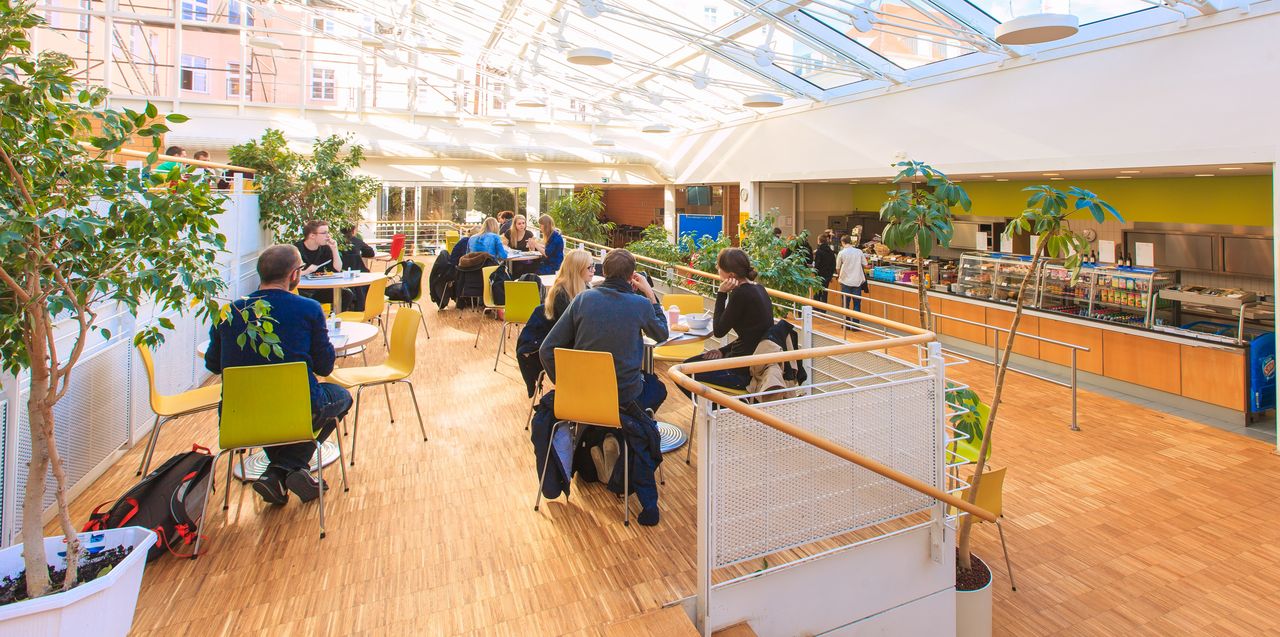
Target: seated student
<point>320,254</point>
<point>167,165</point>
<point>353,257</point>
<point>742,305</point>
<point>304,336</point>
<point>505,219</point>
<point>551,246</point>
<point>518,237</point>
<point>573,279</point>
<point>487,240</point>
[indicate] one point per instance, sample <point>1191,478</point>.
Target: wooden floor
<point>1141,524</point>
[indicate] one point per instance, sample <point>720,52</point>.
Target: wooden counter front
<point>1090,337</point>
<point>1214,376</point>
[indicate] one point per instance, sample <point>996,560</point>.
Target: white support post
<point>669,210</point>
<point>938,515</point>
<point>806,342</point>
<point>705,533</point>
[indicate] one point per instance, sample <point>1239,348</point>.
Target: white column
<point>533,200</point>
<point>669,210</point>
<point>751,203</point>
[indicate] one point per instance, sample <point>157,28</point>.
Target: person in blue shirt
<point>304,336</point>
<point>488,240</point>
<point>551,246</point>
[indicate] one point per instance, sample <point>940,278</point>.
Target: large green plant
<point>79,236</point>
<point>1047,214</point>
<point>578,215</point>
<point>297,189</point>
<point>790,273</point>
<point>698,253</point>
<point>919,213</point>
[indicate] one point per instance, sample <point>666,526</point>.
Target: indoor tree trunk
<point>33,498</point>
<point>925,314</point>
<point>966,526</point>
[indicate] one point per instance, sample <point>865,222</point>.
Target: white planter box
<point>973,608</point>
<point>102,608</point>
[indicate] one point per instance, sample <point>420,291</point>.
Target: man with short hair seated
<point>304,336</point>
<point>611,317</point>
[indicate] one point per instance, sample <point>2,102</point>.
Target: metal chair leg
<point>386,391</point>
<point>693,423</point>
<point>355,427</point>
<point>151,445</point>
<point>413,394</point>
<point>243,471</point>
<point>320,479</point>
<point>422,316</point>
<point>546,464</point>
<point>537,393</point>
<point>502,335</point>
<point>341,456</point>
<point>626,483</point>
<point>226,497</point>
<point>1007,564</point>
<point>204,508</point>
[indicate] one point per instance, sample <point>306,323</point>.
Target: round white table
<point>348,338</point>
<point>338,281</point>
<point>516,255</point>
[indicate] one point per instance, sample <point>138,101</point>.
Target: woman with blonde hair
<point>517,235</point>
<point>551,246</point>
<point>573,279</point>
<point>487,240</point>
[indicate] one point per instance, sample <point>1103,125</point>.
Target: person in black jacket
<point>824,262</point>
<point>742,305</point>
<point>353,256</point>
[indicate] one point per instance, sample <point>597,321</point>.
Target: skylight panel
<point>1087,10</point>
<point>908,33</point>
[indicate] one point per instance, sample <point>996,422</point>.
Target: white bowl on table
<point>698,321</point>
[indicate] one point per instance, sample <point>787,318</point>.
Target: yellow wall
<point>1218,200</point>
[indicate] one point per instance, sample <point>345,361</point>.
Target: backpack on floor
<point>784,334</point>
<point>168,501</point>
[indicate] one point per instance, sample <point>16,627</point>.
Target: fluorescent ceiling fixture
<point>1230,168</point>
<point>1204,175</point>
<point>986,176</point>
<point>656,127</point>
<point>603,141</point>
<point>589,56</point>
<point>531,100</point>
<point>1056,178</point>
<point>502,122</point>
<point>265,42</point>
<point>762,100</point>
<point>1037,28</point>
<point>1050,174</point>
<point>1130,172</point>
<point>1124,177</point>
<point>1002,179</point>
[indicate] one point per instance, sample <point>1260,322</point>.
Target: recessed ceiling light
<point>1130,172</point>
<point>1056,178</point>
<point>1204,174</point>
<point>986,176</point>
<point>656,127</point>
<point>1124,177</point>
<point>762,100</point>
<point>1230,168</point>
<point>1037,28</point>
<point>265,42</point>
<point>1050,174</point>
<point>854,181</point>
<point>502,122</point>
<point>589,56</point>
<point>1001,179</point>
<point>603,141</point>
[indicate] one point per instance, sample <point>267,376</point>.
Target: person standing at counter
<point>849,264</point>
<point>824,262</point>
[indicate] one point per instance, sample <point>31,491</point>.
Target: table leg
<point>337,301</point>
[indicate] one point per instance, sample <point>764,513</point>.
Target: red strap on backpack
<point>96,518</point>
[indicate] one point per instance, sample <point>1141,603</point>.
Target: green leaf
<point>240,340</point>
<point>264,350</point>
<point>176,118</point>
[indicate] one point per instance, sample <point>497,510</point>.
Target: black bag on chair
<point>497,285</point>
<point>410,284</point>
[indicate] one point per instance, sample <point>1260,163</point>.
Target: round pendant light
<point>265,42</point>
<point>531,100</point>
<point>603,141</point>
<point>504,123</point>
<point>762,100</point>
<point>1037,28</point>
<point>656,127</point>
<point>589,56</point>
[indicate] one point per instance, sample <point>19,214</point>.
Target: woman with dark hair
<point>742,305</point>
<point>824,262</point>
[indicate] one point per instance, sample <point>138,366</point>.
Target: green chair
<point>522,300</point>
<point>969,449</point>
<point>266,406</point>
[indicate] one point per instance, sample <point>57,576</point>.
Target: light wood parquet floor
<point>1141,524</point>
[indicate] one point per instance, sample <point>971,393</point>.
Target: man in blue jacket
<point>304,336</point>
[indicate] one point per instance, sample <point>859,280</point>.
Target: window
<point>83,25</point>
<point>197,10</point>
<point>709,16</point>
<point>233,81</point>
<point>322,23</point>
<point>239,13</point>
<point>195,76</point>
<point>323,84</point>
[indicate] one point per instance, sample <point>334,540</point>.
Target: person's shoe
<point>648,517</point>
<point>304,485</point>
<point>270,485</point>
<point>597,458</point>
<point>609,449</point>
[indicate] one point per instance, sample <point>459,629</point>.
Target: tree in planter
<point>790,273</point>
<point>78,235</point>
<point>1047,215</point>
<point>578,215</point>
<point>297,189</point>
<point>920,216</point>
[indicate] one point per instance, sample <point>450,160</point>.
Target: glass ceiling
<point>683,63</point>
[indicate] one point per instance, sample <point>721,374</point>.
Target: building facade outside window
<point>233,81</point>
<point>195,74</point>
<point>196,10</point>
<point>83,30</point>
<point>324,84</point>
<point>238,12</point>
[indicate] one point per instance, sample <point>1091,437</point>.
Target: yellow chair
<point>991,498</point>
<point>265,406</point>
<point>451,238</point>
<point>688,304</point>
<point>969,449</point>
<point>693,419</point>
<point>375,304</point>
<point>587,394</point>
<point>489,304</point>
<point>414,303</point>
<point>522,300</point>
<point>168,407</point>
<point>397,369</point>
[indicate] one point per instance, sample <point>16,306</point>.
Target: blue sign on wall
<point>699,226</point>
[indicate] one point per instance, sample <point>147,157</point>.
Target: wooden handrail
<point>129,152</point>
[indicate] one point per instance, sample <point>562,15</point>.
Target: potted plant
<point>1047,214</point>
<point>920,214</point>
<point>80,236</point>
<point>297,189</point>
<point>578,215</point>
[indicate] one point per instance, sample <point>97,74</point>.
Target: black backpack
<point>169,501</point>
<point>410,284</point>
<point>784,334</point>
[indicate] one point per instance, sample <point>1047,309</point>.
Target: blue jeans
<point>326,410</point>
<point>653,394</point>
<point>856,291</point>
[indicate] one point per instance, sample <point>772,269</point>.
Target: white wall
<point>1201,95</point>
<point>820,201</point>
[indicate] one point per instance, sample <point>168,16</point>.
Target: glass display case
<point>1130,295</point>
<point>995,277</point>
